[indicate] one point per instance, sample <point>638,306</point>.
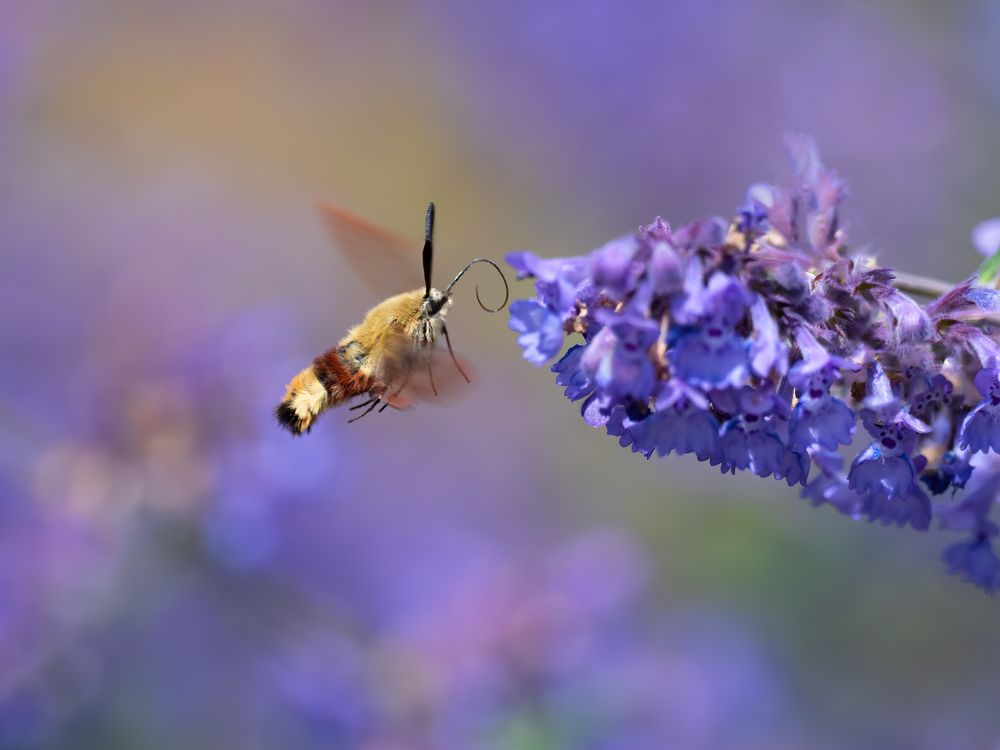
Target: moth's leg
<point>430,374</point>
<point>447,339</point>
<point>374,403</point>
<point>406,379</point>
<point>376,392</point>
<point>362,405</point>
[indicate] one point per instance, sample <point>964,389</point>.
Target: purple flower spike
<point>759,342</point>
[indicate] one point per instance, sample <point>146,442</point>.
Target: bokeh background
<point>177,572</point>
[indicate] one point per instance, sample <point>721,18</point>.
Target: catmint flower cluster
<point>761,342</point>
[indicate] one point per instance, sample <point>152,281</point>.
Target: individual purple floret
<point>911,509</point>
<point>679,425</point>
<point>616,359</point>
<point>568,373</point>
<point>975,561</point>
<point>819,419</point>
<point>539,322</point>
<point>540,328</point>
<point>749,441</point>
<point>980,429</point>
<point>760,342</point>
<point>885,470</point>
<point>706,350</point>
<point>880,471</point>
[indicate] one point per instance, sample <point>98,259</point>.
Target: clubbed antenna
<point>428,248</point>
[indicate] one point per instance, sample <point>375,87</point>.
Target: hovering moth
<point>389,356</point>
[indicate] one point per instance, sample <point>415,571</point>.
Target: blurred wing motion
<point>386,261</point>
<point>414,372</point>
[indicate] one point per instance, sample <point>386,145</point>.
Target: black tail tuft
<point>288,419</point>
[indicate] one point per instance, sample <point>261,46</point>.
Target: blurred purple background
<point>177,572</point>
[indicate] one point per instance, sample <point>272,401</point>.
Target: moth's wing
<point>388,263</point>
<point>413,373</point>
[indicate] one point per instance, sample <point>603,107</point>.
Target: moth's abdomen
<point>330,380</point>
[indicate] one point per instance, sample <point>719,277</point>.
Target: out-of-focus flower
<point>986,237</point>
<point>554,644</point>
<point>745,342</point>
<point>184,446</point>
<point>549,648</point>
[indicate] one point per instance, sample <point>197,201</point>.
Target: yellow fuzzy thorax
<point>402,312</point>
